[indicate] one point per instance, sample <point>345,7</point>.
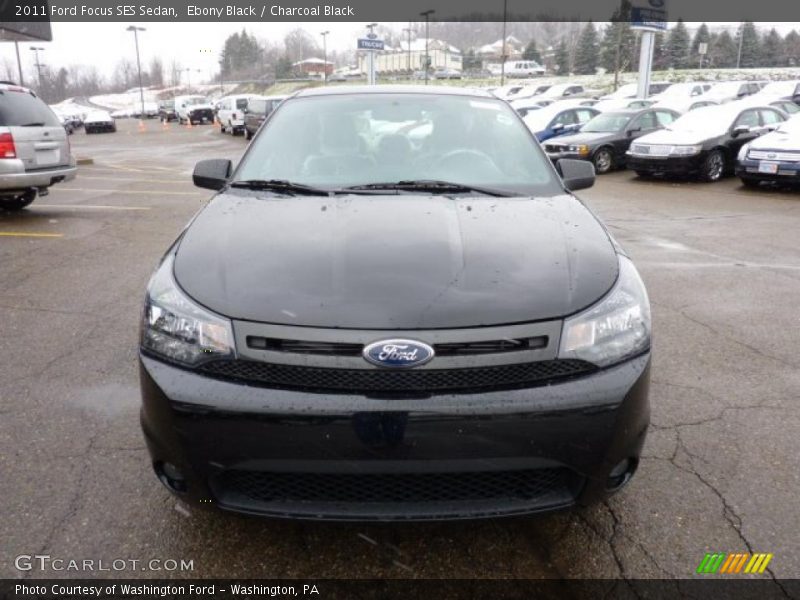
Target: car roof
<point>438,90</point>
<point>10,85</point>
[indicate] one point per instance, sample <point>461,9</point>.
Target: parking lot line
<point>30,234</point>
<point>92,206</point>
<point>142,192</point>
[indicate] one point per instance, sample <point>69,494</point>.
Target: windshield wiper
<point>279,185</point>
<point>430,185</point>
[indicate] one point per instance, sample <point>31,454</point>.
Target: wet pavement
<point>719,472</point>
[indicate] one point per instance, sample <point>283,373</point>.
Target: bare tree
<point>156,72</point>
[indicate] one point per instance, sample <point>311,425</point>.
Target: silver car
<point>34,148</point>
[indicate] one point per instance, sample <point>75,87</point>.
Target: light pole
<point>136,31</point>
<point>372,77</point>
<point>741,39</point>
<point>38,65</point>
<point>324,35</point>
<point>19,65</point>
<point>408,62</point>
<point>503,52</point>
<point>427,14</point>
<point>188,78</point>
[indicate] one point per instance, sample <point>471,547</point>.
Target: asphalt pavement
<point>719,472</point>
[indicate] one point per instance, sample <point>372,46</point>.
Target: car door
<point>563,122</point>
<point>750,120</point>
<point>770,119</point>
<point>640,125</point>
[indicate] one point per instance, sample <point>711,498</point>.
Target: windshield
<point>196,100</point>
<point>607,123</point>
<point>708,118</point>
<point>357,139</point>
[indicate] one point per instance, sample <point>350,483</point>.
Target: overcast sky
<point>193,45</point>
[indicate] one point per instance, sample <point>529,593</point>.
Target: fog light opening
<point>621,474</point>
<point>170,476</point>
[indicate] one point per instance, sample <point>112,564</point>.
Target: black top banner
<point>387,11</point>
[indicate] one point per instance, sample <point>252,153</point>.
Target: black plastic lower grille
<point>545,486</point>
<point>384,380</point>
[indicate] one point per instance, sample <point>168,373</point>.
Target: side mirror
<point>737,131</point>
<point>576,174</point>
<point>558,127</point>
<point>633,131</point>
<point>212,174</point>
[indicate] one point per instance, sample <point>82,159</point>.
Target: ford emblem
<point>398,353</point>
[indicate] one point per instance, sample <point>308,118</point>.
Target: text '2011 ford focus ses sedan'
<point>394,308</point>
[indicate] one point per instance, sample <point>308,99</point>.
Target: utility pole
<point>324,35</point>
<point>19,65</point>
<point>427,14</point>
<point>503,53</point>
<point>221,77</point>
<point>372,77</point>
<point>741,38</point>
<point>38,65</point>
<point>136,31</point>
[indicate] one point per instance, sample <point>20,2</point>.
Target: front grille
<point>544,487</point>
<point>353,349</point>
<point>774,155</point>
<point>384,380</point>
<point>554,148</point>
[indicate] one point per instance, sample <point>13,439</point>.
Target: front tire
<point>248,135</point>
<point>713,167</point>
<point>18,202</point>
<point>603,161</point>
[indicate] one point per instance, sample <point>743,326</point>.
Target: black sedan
<point>704,142</point>
<point>394,308</point>
<point>606,138</point>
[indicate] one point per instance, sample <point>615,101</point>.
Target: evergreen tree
<point>586,54</point>
<point>701,36</point>
<point>750,44</point>
<point>618,48</point>
<point>562,59</point>
<point>722,51</point>
<point>678,46</point>
<point>660,55</point>
<point>531,52</point>
<point>791,49</point>
<point>772,54</point>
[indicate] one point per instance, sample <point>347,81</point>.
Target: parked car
<point>772,157</point>
<point>703,142</point>
<point>510,91</point>
<point>526,105</point>
<point>166,111</point>
<point>788,106</point>
<point>258,109</point>
<point>680,96</point>
<point>151,110</point>
<point>446,73</point>
<point>628,91</point>
<point>731,90</point>
<point>388,330</point>
<point>231,111</point>
<point>34,148</point>
<point>65,120</point>
<point>558,118</point>
<point>553,92</point>
<point>194,109</point>
<point>605,139</point>
<point>523,68</point>
<point>99,121</point>
<point>781,89</point>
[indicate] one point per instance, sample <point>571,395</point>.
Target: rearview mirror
<point>212,174</point>
<point>576,174</point>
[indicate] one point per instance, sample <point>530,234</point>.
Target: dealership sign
<point>649,15</point>
<point>366,44</point>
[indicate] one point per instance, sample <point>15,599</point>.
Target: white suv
<point>34,148</point>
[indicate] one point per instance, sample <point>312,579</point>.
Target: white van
<point>231,111</point>
<point>524,68</point>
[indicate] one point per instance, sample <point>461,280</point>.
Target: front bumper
<point>670,165</point>
<point>297,454</point>
<point>788,172</point>
<point>202,115</point>
<point>13,175</point>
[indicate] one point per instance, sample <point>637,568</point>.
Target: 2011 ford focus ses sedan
<point>394,308</point>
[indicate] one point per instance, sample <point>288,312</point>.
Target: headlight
<point>686,150</point>
<point>581,149</point>
<point>176,328</point>
<point>743,152</point>
<point>615,328</point>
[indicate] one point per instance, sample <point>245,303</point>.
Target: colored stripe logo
<point>721,562</point>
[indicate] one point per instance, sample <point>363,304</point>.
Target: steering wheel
<point>465,158</point>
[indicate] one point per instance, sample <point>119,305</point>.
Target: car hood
<point>680,138</point>
<point>395,261</point>
<point>588,138</point>
<point>777,140</point>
